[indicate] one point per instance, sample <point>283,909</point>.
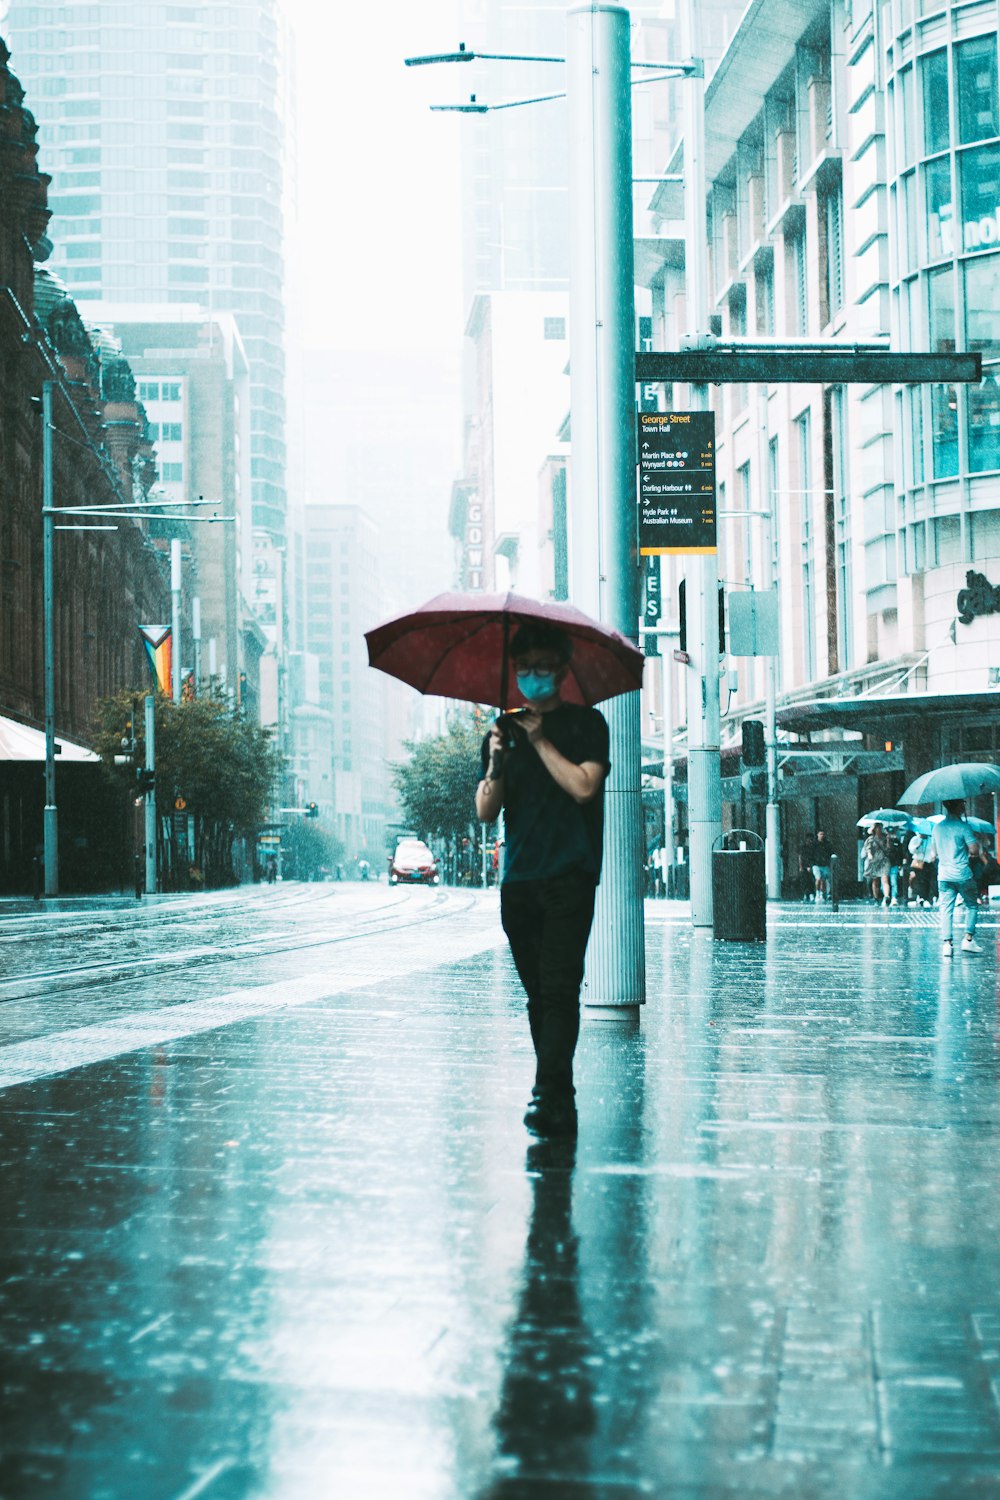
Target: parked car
<point>413,864</point>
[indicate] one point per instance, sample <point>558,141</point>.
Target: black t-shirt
<point>546,832</point>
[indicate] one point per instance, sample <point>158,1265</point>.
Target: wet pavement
<point>271,1228</point>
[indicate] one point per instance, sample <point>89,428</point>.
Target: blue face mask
<point>536,687</point>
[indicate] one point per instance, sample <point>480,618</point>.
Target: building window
<point>982,299</point>
<point>799,310</point>
<point>834,252</point>
<point>171,392</point>
<point>170,432</point>
<point>980,173</point>
<point>907,249</point>
<point>802,426</point>
<point>934,76</point>
<point>916,445</point>
<point>944,430</point>
<point>555,328</point>
<point>172,473</point>
<point>947,535</point>
<point>907,145</point>
<point>941,310</point>
<point>842,525</point>
<point>976,87</point>
<point>149,390</point>
<point>938,199</point>
<point>764,297</point>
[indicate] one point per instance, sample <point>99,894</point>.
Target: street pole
<point>175,636</point>
<point>50,817</point>
<point>704,715</point>
<point>150,808</point>
<point>196,638</point>
<point>772,812</point>
<point>667,693</point>
<point>602,398</point>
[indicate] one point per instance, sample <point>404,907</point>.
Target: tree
<point>307,848</point>
<point>437,785</point>
<point>223,768</point>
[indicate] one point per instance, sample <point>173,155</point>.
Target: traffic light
<point>312,810</point>
<point>145,780</point>
<point>754,751</point>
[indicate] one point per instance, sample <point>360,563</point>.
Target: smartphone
<point>512,730</point>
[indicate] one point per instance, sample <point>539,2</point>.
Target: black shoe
<point>551,1117</point>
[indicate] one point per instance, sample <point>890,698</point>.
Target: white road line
<point>378,962</point>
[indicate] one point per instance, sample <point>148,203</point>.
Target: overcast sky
<point>375,254</point>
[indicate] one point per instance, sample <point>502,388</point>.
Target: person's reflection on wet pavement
<point>545,1416</point>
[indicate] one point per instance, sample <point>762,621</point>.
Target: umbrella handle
<point>505,663</point>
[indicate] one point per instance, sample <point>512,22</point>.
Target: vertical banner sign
<point>651,603</point>
<point>676,483</point>
<point>158,641</point>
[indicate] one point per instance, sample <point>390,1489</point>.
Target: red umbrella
<point>458,646</point>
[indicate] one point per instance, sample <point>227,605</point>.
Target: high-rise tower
<point>162,127</point>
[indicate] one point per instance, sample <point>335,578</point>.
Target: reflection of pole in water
<point>546,1415</point>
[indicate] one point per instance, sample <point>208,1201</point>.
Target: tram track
<point>383,918</point>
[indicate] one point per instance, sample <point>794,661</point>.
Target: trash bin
<point>739,887</point>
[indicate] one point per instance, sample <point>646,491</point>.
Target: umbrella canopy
<point>889,817</point>
<point>952,783</point>
<point>458,646</point>
<point>978,825</point>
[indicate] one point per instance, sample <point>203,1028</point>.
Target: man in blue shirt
<point>546,770</point>
<point>953,843</point>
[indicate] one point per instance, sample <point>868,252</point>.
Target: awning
<point>21,742</point>
<point>888,714</point>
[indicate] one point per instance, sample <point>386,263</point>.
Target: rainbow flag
<point>158,641</point>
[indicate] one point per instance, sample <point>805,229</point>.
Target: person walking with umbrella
<point>546,768</point>
<point>955,846</point>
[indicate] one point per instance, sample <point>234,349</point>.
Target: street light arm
<point>693,66</point>
<point>475,108</point>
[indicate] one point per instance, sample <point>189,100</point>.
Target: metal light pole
<point>150,808</point>
<point>772,813</point>
<point>602,395</point>
<point>50,817</point>
<point>175,637</point>
<point>196,638</point>
<point>703,709</point>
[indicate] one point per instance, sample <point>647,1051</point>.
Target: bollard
<point>833,883</point>
<point>36,879</point>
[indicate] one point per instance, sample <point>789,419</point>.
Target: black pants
<point>547,923</point>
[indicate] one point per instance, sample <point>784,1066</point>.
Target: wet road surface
<point>271,1228</point>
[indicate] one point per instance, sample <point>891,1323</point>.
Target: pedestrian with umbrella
<point>544,764</point>
<point>953,841</point>
<point>956,846</point>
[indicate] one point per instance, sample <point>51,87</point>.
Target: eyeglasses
<point>538,669</point>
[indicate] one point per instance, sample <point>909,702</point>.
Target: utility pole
<point>772,813</point>
<point>602,394</point>
<point>196,638</point>
<point>175,637</point>
<point>150,806</point>
<point>703,709</point>
<point>50,817</point>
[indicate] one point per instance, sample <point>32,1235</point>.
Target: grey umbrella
<point>951,783</point>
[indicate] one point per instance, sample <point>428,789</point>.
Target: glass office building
<point>162,128</point>
<point>943,142</point>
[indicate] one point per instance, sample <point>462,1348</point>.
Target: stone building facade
<point>107,583</point>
